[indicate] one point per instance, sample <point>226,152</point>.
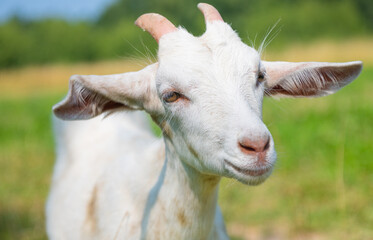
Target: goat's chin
<point>252,180</point>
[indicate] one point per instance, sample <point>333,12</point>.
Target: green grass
<point>26,161</point>
<point>322,184</point>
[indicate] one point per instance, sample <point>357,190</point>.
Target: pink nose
<point>254,146</point>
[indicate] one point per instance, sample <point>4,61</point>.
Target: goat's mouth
<point>251,172</point>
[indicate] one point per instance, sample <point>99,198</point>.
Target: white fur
<point>114,180</point>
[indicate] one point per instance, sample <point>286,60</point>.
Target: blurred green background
<point>51,40</point>
<point>322,187</point>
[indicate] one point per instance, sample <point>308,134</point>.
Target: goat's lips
<point>251,172</point>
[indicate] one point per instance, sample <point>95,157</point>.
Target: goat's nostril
<point>249,146</point>
<point>267,145</point>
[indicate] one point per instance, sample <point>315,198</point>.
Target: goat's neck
<point>187,199</point>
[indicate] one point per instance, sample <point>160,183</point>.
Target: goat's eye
<point>171,97</point>
<point>261,76</point>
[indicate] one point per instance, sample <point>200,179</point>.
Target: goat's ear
<point>308,79</point>
<point>91,95</point>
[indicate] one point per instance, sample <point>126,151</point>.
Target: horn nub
<point>155,24</point>
<point>210,13</point>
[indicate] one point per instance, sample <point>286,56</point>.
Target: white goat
<point>114,180</point>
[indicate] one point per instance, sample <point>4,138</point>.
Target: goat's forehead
<point>192,59</point>
<point>217,40</point>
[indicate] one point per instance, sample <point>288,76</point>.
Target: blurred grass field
<point>322,187</point>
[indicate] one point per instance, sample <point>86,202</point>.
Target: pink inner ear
<point>83,103</point>
<point>310,79</point>
<point>155,24</point>
<point>210,13</point>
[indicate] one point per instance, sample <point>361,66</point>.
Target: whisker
<point>268,39</point>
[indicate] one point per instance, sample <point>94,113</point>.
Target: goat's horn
<point>210,13</point>
<point>155,24</point>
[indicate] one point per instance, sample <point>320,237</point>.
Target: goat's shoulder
<point>104,163</point>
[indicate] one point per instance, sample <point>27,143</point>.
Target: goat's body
<point>103,187</point>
